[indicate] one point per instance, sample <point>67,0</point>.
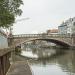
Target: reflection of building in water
<point>46,53</point>
<point>66,62</point>
<point>39,52</point>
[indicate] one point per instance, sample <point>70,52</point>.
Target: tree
<point>9,9</point>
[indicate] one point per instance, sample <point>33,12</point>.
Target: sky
<point>43,15</point>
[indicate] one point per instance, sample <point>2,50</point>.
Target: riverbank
<point>19,67</point>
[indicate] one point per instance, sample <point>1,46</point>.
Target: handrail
<point>42,35</point>
<point>5,51</point>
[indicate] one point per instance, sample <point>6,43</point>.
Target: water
<point>50,61</point>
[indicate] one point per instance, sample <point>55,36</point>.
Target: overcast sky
<point>43,15</point>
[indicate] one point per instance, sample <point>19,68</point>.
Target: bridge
<point>63,40</point>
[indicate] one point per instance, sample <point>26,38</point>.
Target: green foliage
<point>9,9</point>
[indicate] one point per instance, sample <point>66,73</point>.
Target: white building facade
<point>62,29</point>
<point>68,27</point>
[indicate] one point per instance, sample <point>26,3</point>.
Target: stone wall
<point>4,61</point>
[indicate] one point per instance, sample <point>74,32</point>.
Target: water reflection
<point>50,61</point>
<point>38,52</point>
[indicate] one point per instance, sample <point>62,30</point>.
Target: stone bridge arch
<point>60,41</point>
<point>67,40</point>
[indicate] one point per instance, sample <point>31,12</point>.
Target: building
<point>67,27</point>
<point>62,29</point>
<point>52,31</point>
<point>3,40</point>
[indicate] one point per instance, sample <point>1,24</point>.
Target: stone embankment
<point>19,68</point>
<point>14,68</point>
<point>4,60</point>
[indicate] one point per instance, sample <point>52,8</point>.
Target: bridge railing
<point>40,35</point>
<point>26,35</point>
<point>58,35</point>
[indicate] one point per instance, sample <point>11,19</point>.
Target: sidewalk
<point>19,68</point>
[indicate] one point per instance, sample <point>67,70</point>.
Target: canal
<point>48,61</point>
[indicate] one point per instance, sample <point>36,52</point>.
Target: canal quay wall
<point>4,60</point>
<point>14,68</point>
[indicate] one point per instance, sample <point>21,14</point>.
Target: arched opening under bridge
<point>58,42</point>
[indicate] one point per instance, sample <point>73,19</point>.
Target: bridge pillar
<point>73,40</point>
<point>10,41</point>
